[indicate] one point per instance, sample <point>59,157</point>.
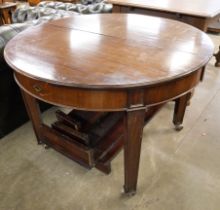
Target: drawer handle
<point>37,88</point>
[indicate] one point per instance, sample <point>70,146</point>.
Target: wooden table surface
<point>203,8</point>
<point>105,51</point>
<point>203,14</point>
<point>109,62</point>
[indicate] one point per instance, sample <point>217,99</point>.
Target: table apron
<point>109,99</point>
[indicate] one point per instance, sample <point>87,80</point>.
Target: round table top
<point>109,51</point>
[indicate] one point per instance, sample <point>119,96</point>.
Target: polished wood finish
<point>199,13</point>
<point>96,100</point>
<point>111,62</point>
<point>6,9</point>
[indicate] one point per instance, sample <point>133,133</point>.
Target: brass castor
<point>178,127</point>
<point>129,193</point>
<point>46,147</point>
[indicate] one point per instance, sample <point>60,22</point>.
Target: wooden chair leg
<point>34,113</point>
<point>179,110</point>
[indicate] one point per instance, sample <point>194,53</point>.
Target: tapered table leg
<point>134,123</point>
<point>179,110</point>
<point>34,113</point>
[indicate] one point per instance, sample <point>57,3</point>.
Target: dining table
<point>125,63</point>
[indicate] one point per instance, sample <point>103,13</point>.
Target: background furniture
<point>12,110</point>
<point>215,27</point>
<point>6,10</point>
<point>50,10</point>
<point>199,13</point>
<point>101,74</point>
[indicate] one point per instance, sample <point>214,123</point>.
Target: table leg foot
<point>179,110</point>
<point>178,127</point>
<point>46,147</point>
<point>129,193</point>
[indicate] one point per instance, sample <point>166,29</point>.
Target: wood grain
<point>84,51</point>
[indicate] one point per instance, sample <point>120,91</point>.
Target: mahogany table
<point>110,62</point>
